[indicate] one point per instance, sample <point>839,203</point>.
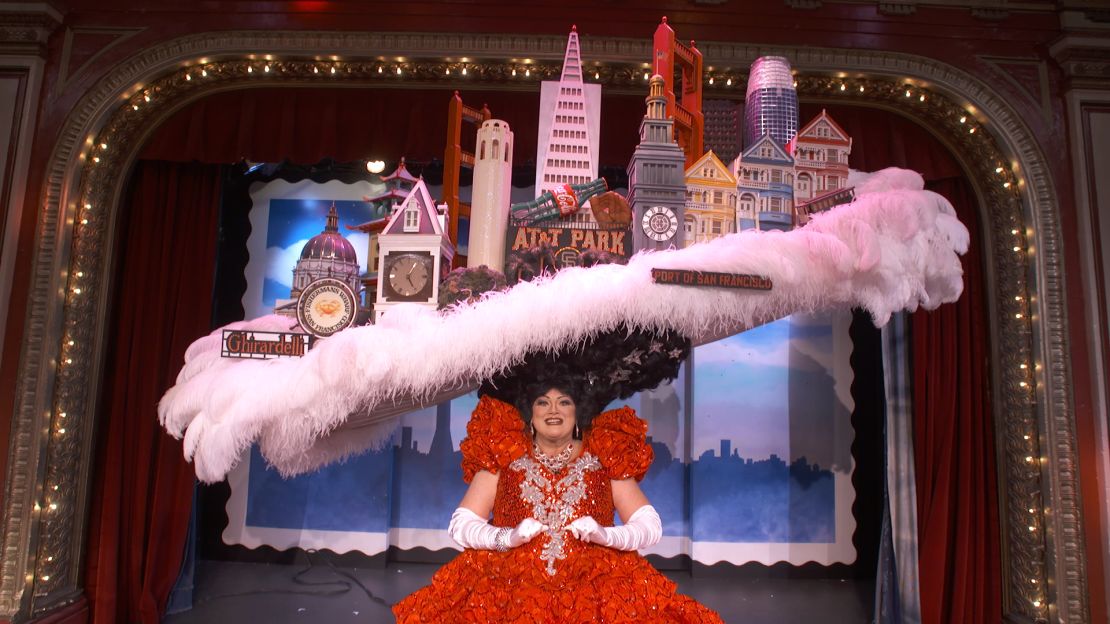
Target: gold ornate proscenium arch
<point>47,485</point>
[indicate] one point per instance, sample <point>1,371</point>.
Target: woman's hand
<point>643,529</point>
<point>588,530</point>
<point>524,532</point>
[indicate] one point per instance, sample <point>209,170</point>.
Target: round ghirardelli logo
<point>660,223</point>
<point>326,306</point>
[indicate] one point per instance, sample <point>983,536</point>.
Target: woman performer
<point>552,474</point>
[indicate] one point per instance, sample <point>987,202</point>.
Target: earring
<point>532,429</point>
<point>577,433</point>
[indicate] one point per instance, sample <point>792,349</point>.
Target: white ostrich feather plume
<point>894,248</point>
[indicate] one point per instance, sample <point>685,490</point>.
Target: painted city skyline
<point>759,471</point>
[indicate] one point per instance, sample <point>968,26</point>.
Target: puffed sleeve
<point>619,439</point>
<point>494,438</point>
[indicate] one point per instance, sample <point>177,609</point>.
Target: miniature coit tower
<point>489,203</point>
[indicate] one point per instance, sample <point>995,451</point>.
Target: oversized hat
<point>894,248</point>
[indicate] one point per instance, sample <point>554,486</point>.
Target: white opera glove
<point>470,531</point>
<point>643,529</point>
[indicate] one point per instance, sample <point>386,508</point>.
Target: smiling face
<point>554,416</point>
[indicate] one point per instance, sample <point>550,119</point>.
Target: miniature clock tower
<point>414,251</point>
<point>656,182</point>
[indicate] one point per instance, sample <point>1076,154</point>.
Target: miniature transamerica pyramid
<point>569,123</point>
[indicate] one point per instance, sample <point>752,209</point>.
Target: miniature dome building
<point>328,254</point>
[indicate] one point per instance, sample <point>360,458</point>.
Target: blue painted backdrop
<point>751,442</point>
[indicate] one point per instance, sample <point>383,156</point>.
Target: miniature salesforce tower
<point>771,102</point>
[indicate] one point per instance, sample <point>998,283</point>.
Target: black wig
<point>610,366</point>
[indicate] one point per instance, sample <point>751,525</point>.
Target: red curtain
<point>306,125</point>
<point>143,487</point>
<point>957,486</point>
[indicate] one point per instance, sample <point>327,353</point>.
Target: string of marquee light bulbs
<point>141,105</point>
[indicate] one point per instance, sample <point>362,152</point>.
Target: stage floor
<point>252,592</point>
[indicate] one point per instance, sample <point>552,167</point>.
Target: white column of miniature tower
<point>569,126</point>
<point>489,202</point>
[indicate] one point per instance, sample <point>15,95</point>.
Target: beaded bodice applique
<point>613,449</point>
<point>555,501</point>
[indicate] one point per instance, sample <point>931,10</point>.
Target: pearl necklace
<point>556,462</point>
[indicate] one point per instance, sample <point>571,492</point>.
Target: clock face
<point>409,274</point>
<point>660,223</point>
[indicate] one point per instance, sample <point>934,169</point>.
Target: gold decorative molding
<point>1000,194</point>
<point>65,331</point>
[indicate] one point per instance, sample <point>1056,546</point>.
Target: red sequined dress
<point>555,578</point>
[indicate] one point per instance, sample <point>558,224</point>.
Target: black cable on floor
<point>300,581</point>
<point>354,579</point>
<point>343,587</point>
<point>340,586</point>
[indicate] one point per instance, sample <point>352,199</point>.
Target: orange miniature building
<point>454,158</point>
<point>689,122</point>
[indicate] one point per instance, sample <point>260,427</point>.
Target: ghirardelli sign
<point>264,345</point>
